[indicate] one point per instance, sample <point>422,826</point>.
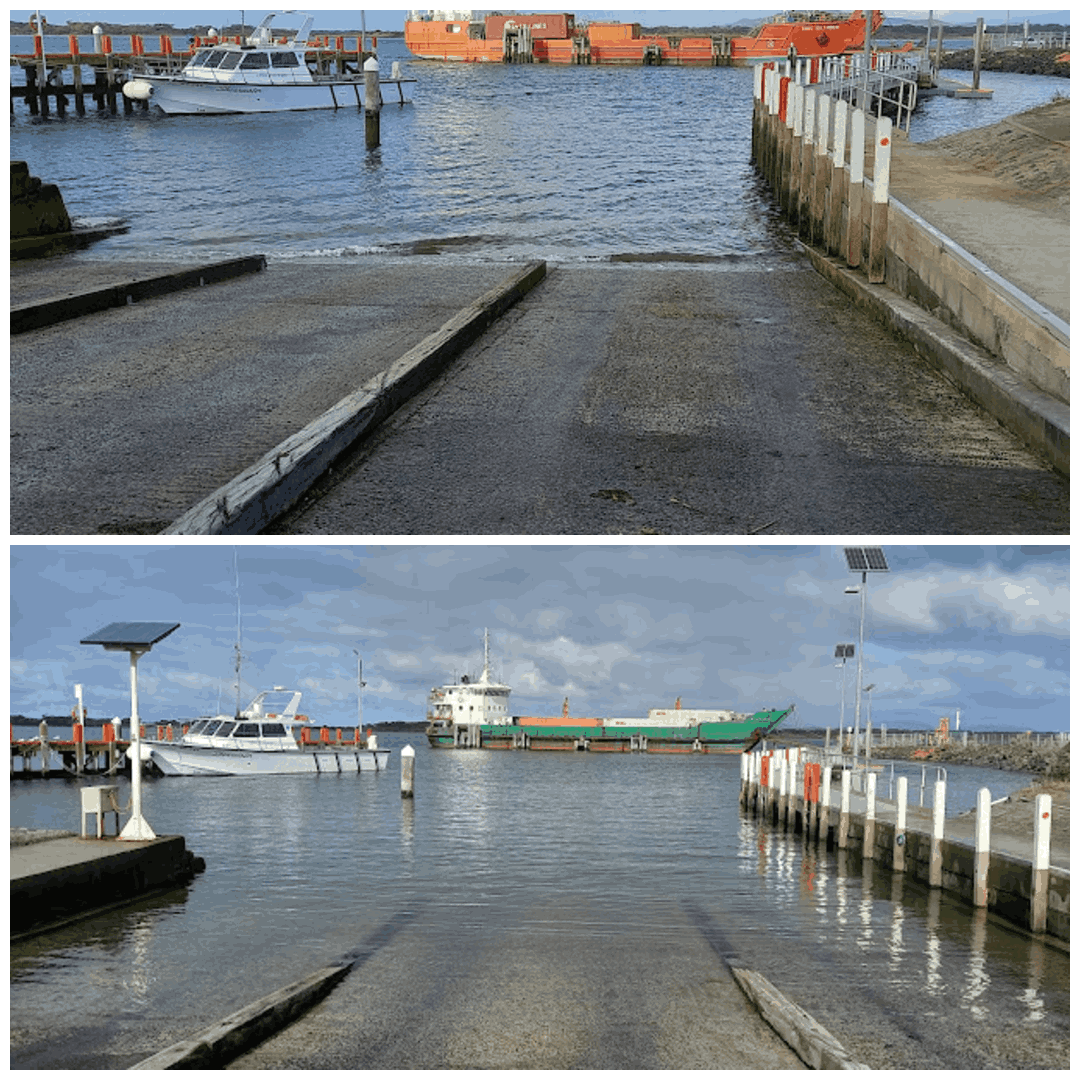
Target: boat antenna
<point>239,654</point>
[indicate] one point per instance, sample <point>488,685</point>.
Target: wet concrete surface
<point>539,995</point>
<point>688,401</point>
<point>122,420</point>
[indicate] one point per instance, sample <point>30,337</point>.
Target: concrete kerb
<point>1039,419</point>
<point>282,476</point>
<point>226,1040</point>
<point>34,316</point>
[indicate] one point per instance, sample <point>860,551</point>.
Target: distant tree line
<point>149,29</point>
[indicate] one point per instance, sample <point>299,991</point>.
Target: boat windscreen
<point>255,60</point>
<point>230,61</point>
<point>197,727</point>
<point>246,731</point>
<point>216,57</point>
<point>284,60</point>
<point>225,730</point>
<point>199,59</point>
<point>273,729</point>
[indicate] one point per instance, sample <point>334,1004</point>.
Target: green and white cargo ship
<point>475,714</point>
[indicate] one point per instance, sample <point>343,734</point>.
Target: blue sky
<point>617,629</point>
<point>386,19</point>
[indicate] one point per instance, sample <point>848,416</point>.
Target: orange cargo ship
<point>557,39</point>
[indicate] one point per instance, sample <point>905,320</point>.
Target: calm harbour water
<point>570,164</point>
<point>301,869</point>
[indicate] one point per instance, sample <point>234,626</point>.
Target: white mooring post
<point>871,816</point>
<point>900,838</point>
<point>823,809</point>
<point>937,835</point>
<point>855,188</point>
<point>408,761</point>
<point>879,211</point>
<point>1040,865</point>
<point>982,846</point>
<point>845,809</point>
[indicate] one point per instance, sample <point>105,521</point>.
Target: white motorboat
<point>260,76</point>
<point>257,741</point>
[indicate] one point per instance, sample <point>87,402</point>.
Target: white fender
<point>138,90</point>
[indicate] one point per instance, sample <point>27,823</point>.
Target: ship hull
<point>595,736</point>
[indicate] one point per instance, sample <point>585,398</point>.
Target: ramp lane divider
<point>272,485</point>
<point>815,1046</point>
<point>220,1043</point>
<point>36,316</point>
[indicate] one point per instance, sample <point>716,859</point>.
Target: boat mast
<point>485,678</point>
<point>239,655</point>
<point>359,693</point>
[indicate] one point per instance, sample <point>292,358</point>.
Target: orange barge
<point>558,39</point>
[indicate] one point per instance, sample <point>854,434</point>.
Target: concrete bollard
<point>408,762</point>
<point>1040,864</point>
<point>937,834</point>
<point>982,847</point>
<point>901,824</point>
<point>372,102</point>
<point>869,827</point>
<point>845,809</point>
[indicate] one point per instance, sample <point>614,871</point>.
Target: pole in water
<point>372,102</point>
<point>408,763</point>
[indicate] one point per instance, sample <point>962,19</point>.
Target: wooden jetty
<point>83,755</point>
<point>46,86</point>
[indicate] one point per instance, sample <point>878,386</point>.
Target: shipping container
<point>541,26</point>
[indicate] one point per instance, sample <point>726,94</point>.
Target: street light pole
<point>869,717</point>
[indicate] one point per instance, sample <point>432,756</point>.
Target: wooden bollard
<point>845,809</point>
<point>822,171</point>
<point>937,834</point>
<point>807,163</point>
<point>408,761</point>
<point>879,211</point>
<point>789,200</point>
<point>870,821</point>
<point>372,102</point>
<point>835,201</point>
<point>982,847</point>
<point>823,808</point>
<point>853,243</point>
<point>900,836</point>
<point>1040,865</point>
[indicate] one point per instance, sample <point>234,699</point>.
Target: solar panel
<point>844,652</point>
<point>865,559</point>
<point>130,635</point>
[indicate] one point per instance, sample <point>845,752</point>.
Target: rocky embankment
<point>1049,760</point>
<point>1018,61</point>
<point>1030,150</point>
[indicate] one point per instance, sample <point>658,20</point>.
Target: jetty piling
<point>408,771</point>
<point>372,102</point>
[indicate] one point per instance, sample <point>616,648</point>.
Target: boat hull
<point>725,737</point>
<point>179,96</point>
<point>173,760</point>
